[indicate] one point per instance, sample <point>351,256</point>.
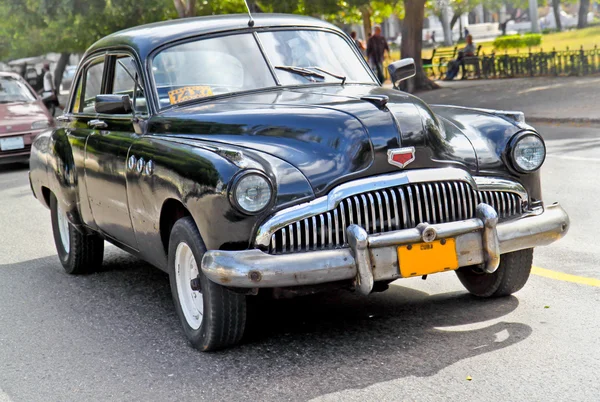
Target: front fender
<point>489,133</point>
<point>198,175</point>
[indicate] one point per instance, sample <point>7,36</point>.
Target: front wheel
<point>79,253</point>
<point>510,277</point>
<point>213,317</point>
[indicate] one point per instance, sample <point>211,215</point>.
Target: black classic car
<point>263,156</point>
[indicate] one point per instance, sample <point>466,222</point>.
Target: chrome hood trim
<point>331,201</point>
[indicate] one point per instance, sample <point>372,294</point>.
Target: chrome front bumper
<point>372,258</point>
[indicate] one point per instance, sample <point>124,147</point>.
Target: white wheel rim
<point>190,301</point>
<point>63,229</point>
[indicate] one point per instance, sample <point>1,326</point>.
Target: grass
<point>574,39</point>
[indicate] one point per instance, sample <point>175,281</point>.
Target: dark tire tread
<point>224,318</point>
<point>510,277</point>
<point>86,251</point>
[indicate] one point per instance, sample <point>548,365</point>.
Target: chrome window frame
<point>330,201</point>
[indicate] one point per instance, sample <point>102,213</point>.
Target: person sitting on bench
<point>454,65</point>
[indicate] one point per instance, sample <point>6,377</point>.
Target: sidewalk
<point>542,99</point>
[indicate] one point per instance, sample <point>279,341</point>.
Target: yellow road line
<point>565,277</point>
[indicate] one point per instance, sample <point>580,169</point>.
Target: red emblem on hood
<point>401,156</point>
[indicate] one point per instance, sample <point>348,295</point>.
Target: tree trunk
<point>412,43</point>
<point>367,13</point>
<point>185,8</point>
<point>584,8</point>
<point>556,9</point>
<point>60,69</point>
<point>453,20</point>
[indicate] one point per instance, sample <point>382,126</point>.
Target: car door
<point>107,147</point>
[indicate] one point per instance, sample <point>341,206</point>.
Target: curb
<point>562,120</point>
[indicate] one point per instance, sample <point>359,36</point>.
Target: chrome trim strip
<point>392,180</point>
<point>484,183</point>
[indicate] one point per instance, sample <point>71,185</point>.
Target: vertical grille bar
<point>273,244</point>
<point>426,203</point>
<point>298,237</point>
<point>314,232</point>
<point>396,210</point>
<point>307,233</point>
<point>292,243</point>
<point>443,186</point>
<point>322,221</point>
<point>419,203</point>
<point>283,240</point>
<point>358,211</point>
<point>329,235</point>
<point>407,214</point>
<point>387,211</point>
<point>373,217</point>
<point>343,213</point>
<point>439,202</point>
<point>350,212</point>
<point>337,227</point>
<point>381,218</point>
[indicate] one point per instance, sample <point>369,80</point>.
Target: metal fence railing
<point>555,63</point>
<point>567,62</point>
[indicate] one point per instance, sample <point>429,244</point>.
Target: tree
<point>556,10</point>
<point>412,43</point>
<point>584,8</point>
<point>185,8</point>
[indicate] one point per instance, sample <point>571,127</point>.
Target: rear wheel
<point>510,277</point>
<point>78,253</point>
<point>213,317</point>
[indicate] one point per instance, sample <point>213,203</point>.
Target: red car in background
<point>22,117</point>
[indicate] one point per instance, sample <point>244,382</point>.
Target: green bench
<point>439,59</point>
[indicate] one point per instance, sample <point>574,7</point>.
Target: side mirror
<point>113,104</point>
<point>401,70</point>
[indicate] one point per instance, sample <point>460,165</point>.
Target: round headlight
<point>528,153</point>
<point>252,193</point>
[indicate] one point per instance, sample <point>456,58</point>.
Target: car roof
<point>145,38</point>
<point>9,74</point>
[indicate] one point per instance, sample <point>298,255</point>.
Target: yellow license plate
<point>427,258</point>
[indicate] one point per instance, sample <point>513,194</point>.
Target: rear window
<point>13,89</point>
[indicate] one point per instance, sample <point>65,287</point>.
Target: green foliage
<point>517,41</point>
<point>34,27</point>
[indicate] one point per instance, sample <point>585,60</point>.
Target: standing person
<point>376,47</point>
<point>49,95</point>
<point>433,37</point>
<point>357,42</point>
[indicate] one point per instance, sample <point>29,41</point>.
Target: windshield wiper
<point>301,71</point>
<point>339,77</point>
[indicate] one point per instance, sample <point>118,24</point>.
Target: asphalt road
<point>114,335</point>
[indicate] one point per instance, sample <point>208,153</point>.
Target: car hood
<point>330,133</point>
<point>18,116</point>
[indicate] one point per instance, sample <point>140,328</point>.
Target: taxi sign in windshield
<point>188,93</point>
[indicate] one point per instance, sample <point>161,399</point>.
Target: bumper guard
<point>371,258</point>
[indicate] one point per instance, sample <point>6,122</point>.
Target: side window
<point>77,100</point>
<point>93,86</point>
<point>124,84</point>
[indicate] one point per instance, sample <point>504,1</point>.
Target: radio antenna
<point>251,20</point>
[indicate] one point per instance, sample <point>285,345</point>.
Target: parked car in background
<point>263,156</point>
<point>67,79</point>
<point>22,117</point>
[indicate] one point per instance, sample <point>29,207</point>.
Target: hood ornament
<point>401,156</point>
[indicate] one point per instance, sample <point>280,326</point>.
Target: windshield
<point>14,90</point>
<point>210,67</point>
<point>323,52</point>
<point>234,63</point>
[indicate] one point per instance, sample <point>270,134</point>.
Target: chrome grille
<point>389,209</point>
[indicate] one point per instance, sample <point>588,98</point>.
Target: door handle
<point>97,123</point>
